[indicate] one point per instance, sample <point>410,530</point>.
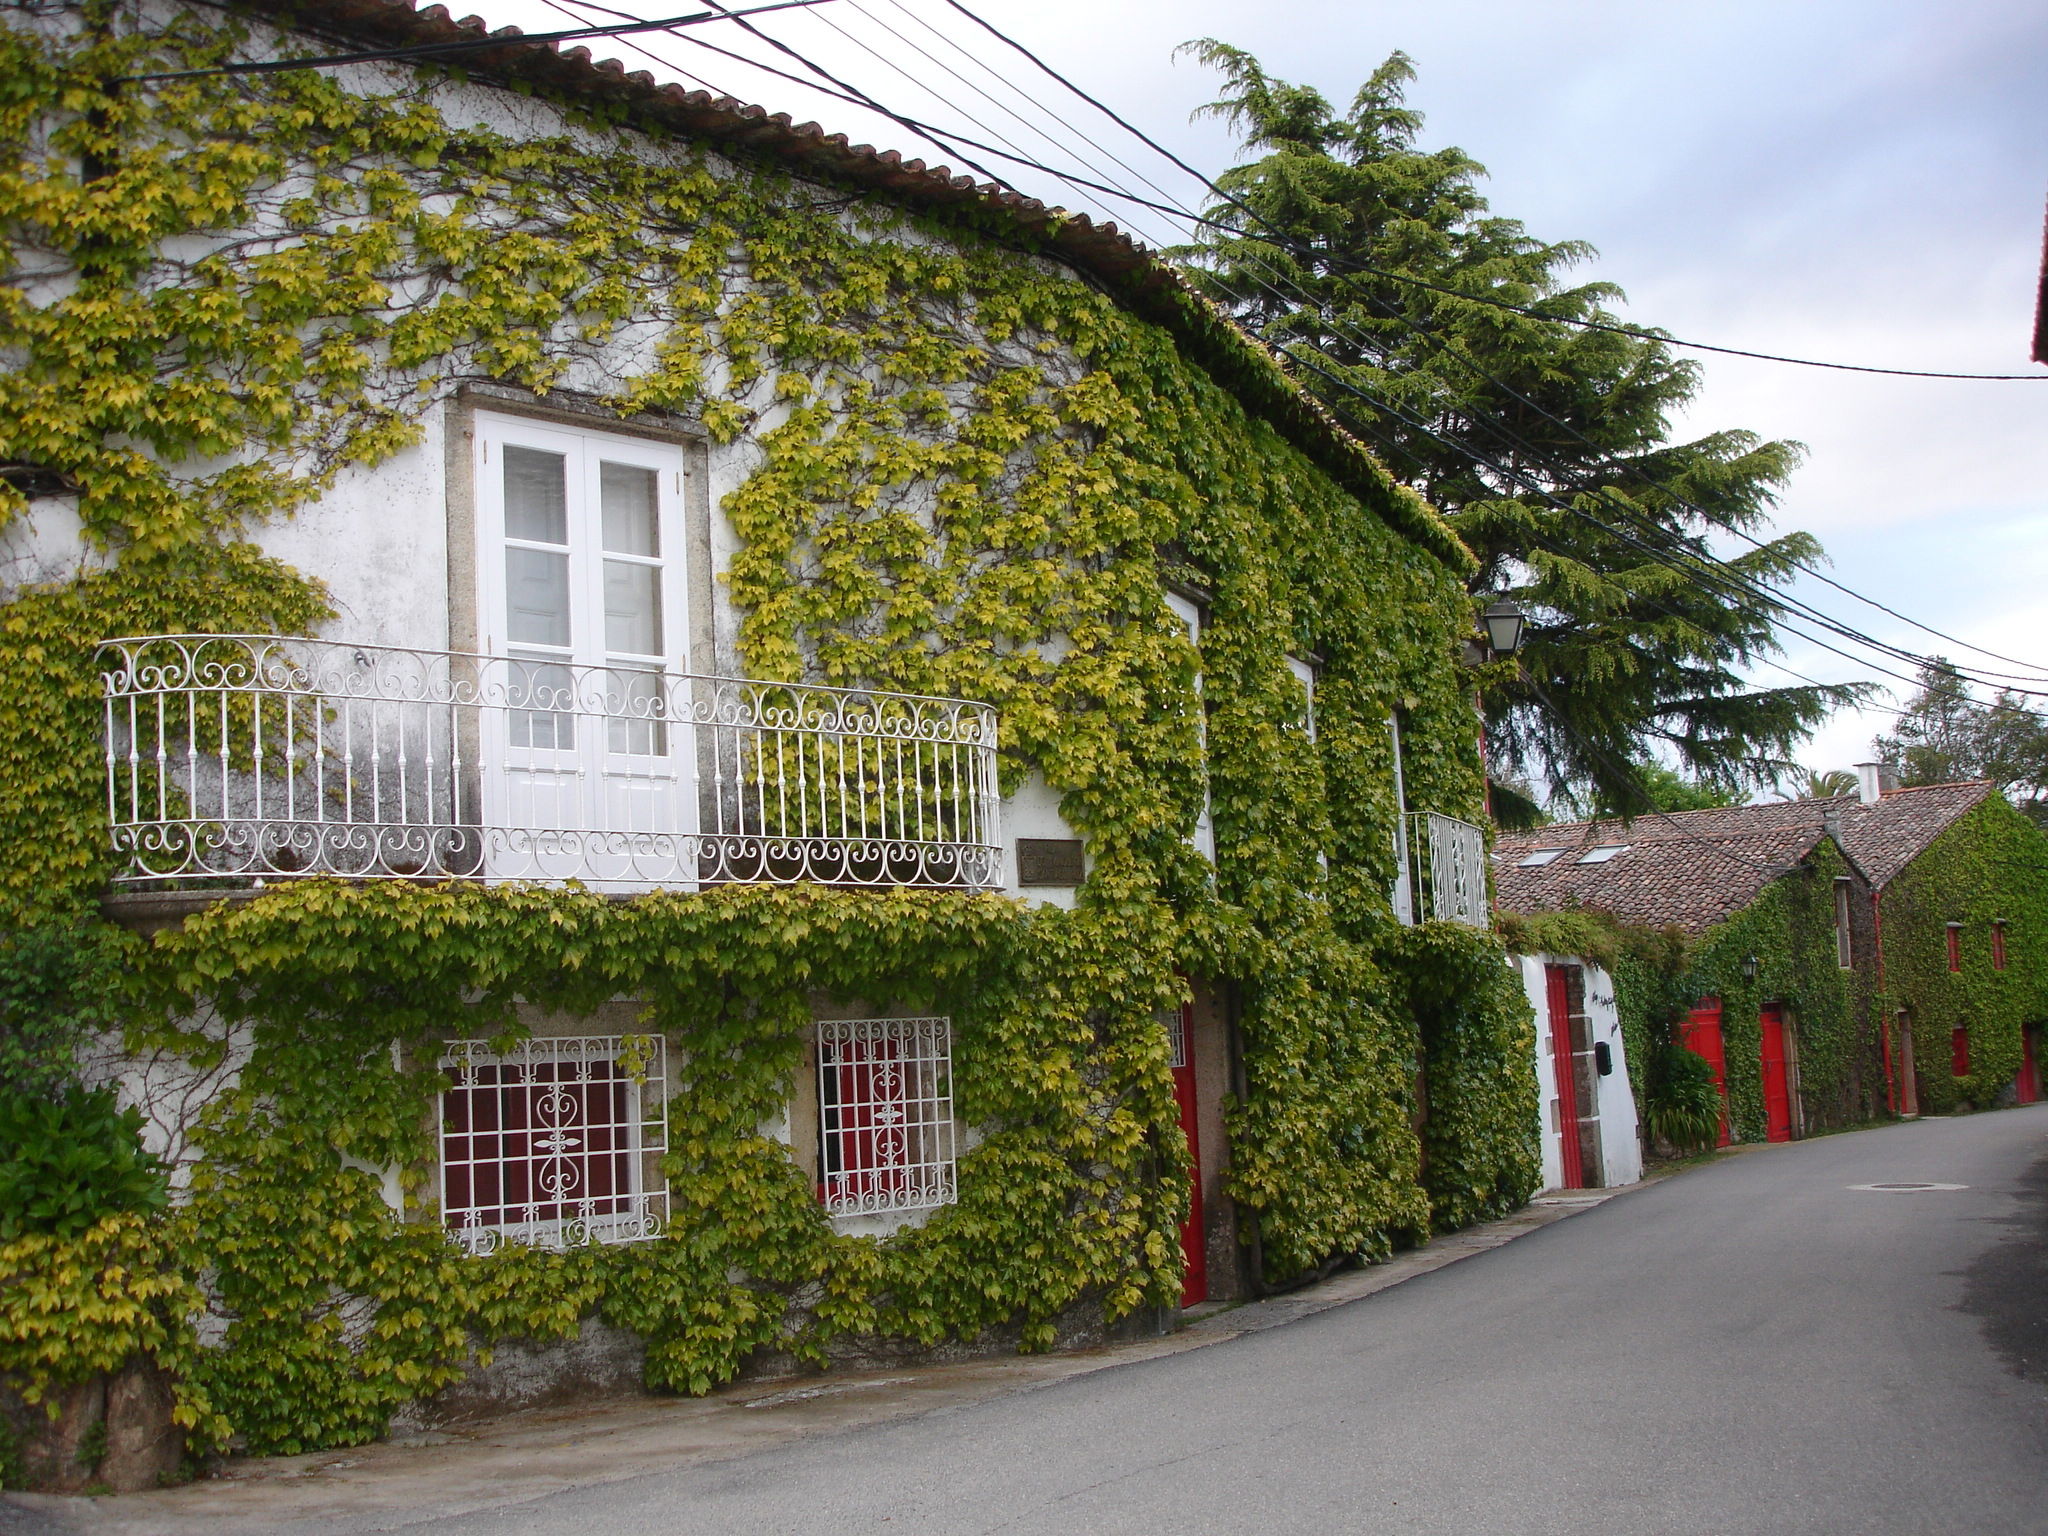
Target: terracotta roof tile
<point>1698,868</point>
<point>1884,838</point>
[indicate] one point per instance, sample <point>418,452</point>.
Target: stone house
<point>699,749</point>
<point>1830,958</point>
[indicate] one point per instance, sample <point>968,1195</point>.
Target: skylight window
<point>1602,855</point>
<point>1541,856</point>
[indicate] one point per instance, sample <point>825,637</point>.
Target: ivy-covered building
<point>651,729</point>
<point>1834,960</point>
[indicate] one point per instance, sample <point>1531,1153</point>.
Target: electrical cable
<point>1693,555</point>
<point>644,53</point>
<point>1696,558</point>
<point>1280,238</point>
<point>873,105</point>
<point>1446,347</point>
<point>1980,674</point>
<point>472,44</point>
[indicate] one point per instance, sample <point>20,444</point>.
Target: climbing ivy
<point>1990,865</point>
<point>964,472</point>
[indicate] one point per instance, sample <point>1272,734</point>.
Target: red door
<point>1194,1243</point>
<point>2029,1084</point>
<point>1777,1081</point>
<point>1701,1034</point>
<point>1565,1075</point>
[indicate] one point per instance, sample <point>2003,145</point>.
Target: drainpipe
<point>1884,1031</point>
<point>1247,1220</point>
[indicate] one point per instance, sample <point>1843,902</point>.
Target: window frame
<point>1845,927</point>
<point>1955,947</point>
<point>858,1172</point>
<point>586,449</point>
<point>635,1064</point>
<point>1304,673</point>
<point>1998,944</point>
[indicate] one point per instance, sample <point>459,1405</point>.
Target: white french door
<point>587,765</point>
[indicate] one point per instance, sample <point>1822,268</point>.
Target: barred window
<point>885,1114</point>
<point>556,1142</point>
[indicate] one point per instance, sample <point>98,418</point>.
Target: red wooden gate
<point>1564,1071</point>
<point>1701,1034</point>
<point>1194,1240</point>
<point>2028,1088</point>
<point>1777,1079</point>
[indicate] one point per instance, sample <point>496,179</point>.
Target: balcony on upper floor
<point>241,760</point>
<point>1446,871</point>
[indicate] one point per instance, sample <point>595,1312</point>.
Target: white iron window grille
<point>885,1114</point>
<point>555,1142</point>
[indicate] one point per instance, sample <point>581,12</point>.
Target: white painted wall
<point>1621,1152</point>
<point>380,537</point>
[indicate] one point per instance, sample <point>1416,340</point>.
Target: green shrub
<point>57,986</point>
<point>1684,1105</point>
<point>69,1159</point>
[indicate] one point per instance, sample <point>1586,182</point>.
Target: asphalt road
<point>1753,1346</point>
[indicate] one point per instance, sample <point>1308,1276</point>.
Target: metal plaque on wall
<point>1049,861</point>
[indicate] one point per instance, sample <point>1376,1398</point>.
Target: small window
<point>1177,1037</point>
<point>1602,855</point>
<point>1955,946</point>
<point>555,1142</point>
<point>1541,856</point>
<point>1305,677</point>
<point>1845,933</point>
<point>1959,1050</point>
<point>885,1114</point>
<point>1998,946</point>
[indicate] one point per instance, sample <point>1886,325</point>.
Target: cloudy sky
<point>1854,180</point>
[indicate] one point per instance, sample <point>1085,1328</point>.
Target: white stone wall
<point>1621,1151</point>
<point>385,540</point>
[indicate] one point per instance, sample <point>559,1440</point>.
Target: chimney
<point>1831,821</point>
<point>1870,781</point>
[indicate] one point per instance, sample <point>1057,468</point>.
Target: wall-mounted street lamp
<point>1504,622</point>
<point>1749,967</point>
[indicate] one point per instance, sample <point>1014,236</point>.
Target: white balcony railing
<point>242,758</point>
<point>1447,861</point>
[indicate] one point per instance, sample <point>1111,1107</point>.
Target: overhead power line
<point>1297,248</point>
<point>469,44</point>
<point>1534,314</point>
<point>1696,562</point>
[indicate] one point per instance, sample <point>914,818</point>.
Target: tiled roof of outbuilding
<point>1884,838</point>
<point>1140,278</point>
<point>1698,868</point>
